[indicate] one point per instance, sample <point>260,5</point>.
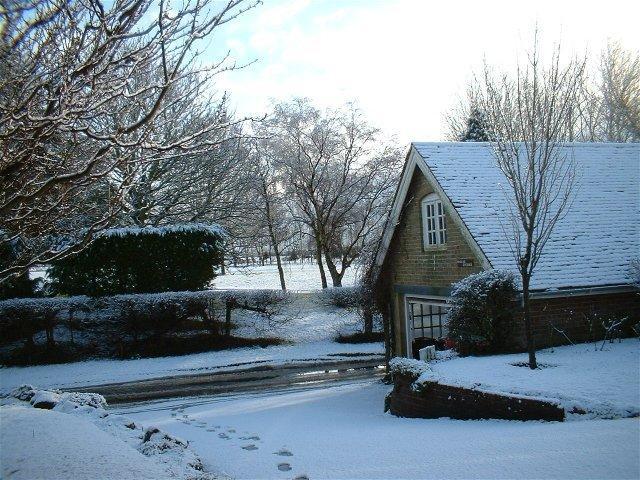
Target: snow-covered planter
<point>482,311</point>
<point>417,371</point>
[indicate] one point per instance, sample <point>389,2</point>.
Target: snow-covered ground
<point>311,328</point>
<point>342,432</point>
<point>605,383</point>
<point>78,439</point>
<point>298,277</point>
<point>42,444</point>
<point>94,372</point>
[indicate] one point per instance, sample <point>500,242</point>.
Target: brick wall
<point>409,263</point>
<point>436,400</point>
<point>580,317</point>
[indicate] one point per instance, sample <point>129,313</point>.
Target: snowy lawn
<point>605,383</point>
<point>298,277</point>
<point>342,432</point>
<point>42,444</point>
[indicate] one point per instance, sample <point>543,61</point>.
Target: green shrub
<point>482,311</point>
<point>142,260</point>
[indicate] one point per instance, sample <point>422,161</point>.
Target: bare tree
<point>620,94</point>
<point>271,204</point>
<point>341,175</point>
<point>72,108</point>
<point>606,108</point>
<point>530,113</point>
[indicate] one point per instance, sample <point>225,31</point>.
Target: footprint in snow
<point>284,467</point>
<point>283,453</point>
<point>231,430</point>
<point>211,429</point>
<point>224,435</point>
<point>253,437</point>
<point>301,477</point>
<point>250,447</point>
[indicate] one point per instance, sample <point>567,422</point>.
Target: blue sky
<point>403,61</point>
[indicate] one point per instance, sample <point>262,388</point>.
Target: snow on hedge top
<point>212,229</point>
<point>592,245</point>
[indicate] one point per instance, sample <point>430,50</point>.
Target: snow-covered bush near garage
<point>420,372</point>
<point>174,455</point>
<point>482,309</point>
<point>343,297</point>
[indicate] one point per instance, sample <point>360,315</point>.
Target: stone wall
<point>435,400</point>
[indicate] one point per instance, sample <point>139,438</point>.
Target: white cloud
<point>403,61</point>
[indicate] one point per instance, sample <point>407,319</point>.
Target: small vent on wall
<point>465,262</point>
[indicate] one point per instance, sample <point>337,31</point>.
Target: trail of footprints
<point>180,416</point>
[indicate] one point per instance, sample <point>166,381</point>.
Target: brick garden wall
<point>580,317</point>
<point>435,400</point>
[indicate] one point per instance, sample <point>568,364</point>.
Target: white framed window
<point>426,319</point>
<point>434,222</point>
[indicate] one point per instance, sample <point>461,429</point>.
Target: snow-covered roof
<point>591,246</point>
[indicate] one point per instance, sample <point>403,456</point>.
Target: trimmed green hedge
<point>142,260</point>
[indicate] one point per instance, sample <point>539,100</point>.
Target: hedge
<point>112,325</point>
<point>142,260</point>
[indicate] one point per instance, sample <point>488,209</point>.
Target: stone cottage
<point>450,219</point>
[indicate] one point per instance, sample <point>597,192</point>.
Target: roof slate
<point>591,246</point>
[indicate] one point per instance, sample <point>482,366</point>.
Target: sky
<point>404,62</point>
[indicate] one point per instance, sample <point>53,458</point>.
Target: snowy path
<point>341,432</point>
<point>96,372</point>
<point>257,378</point>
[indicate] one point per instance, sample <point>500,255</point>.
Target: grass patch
<point>361,337</point>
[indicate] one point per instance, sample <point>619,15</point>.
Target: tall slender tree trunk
<point>276,252</point>
<point>323,276</point>
<point>274,239</point>
<point>526,311</point>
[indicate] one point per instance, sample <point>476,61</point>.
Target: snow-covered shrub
<point>343,297</point>
<point>142,260</point>
<point>132,325</point>
<point>418,371</point>
<point>56,399</point>
<point>408,366</point>
<point>358,299</point>
<point>482,308</point>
